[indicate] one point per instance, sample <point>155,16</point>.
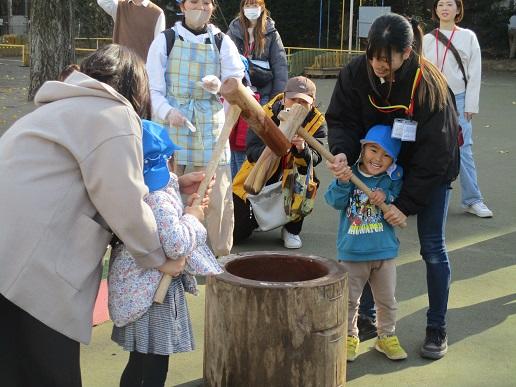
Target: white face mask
<point>196,18</point>
<point>252,13</point>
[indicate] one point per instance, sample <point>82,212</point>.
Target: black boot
<point>435,345</point>
<point>366,327</point>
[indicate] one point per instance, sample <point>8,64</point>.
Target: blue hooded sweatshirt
<point>363,233</point>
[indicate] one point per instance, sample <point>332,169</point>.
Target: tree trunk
<point>276,320</point>
<point>51,41</point>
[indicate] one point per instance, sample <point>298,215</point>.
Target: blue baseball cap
<point>157,149</point>
<point>381,135</point>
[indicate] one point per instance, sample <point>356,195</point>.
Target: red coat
<point>239,133</point>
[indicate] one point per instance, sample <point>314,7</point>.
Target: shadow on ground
<point>493,312</point>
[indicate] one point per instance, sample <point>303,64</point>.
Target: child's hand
<point>345,174</point>
<point>204,202</point>
<point>377,197</point>
<point>340,167</point>
<point>298,142</point>
<point>173,267</point>
<point>394,216</point>
<point>197,211</point>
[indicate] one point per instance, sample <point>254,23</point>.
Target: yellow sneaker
<point>352,347</point>
<point>390,346</point>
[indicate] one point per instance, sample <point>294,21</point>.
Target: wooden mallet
<point>242,102</point>
<point>231,118</point>
<point>268,162</point>
<point>331,158</point>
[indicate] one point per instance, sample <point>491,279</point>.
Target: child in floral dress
<point>151,332</point>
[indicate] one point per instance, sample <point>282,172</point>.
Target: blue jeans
<point>431,224</point>
<point>237,159</point>
<point>470,193</point>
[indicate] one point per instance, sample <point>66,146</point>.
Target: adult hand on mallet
<point>189,182</point>
<point>339,167</point>
<point>173,267</point>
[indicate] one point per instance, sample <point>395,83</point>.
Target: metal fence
<point>316,62</point>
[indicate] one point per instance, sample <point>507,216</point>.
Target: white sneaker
<point>480,209</point>
<point>290,241</point>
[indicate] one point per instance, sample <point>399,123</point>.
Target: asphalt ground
<point>482,305</point>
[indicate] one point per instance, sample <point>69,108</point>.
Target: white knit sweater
<point>465,41</point>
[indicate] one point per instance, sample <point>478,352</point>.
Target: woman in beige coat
<point>70,177</point>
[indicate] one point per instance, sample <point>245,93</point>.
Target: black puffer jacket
<point>274,52</point>
<point>431,160</point>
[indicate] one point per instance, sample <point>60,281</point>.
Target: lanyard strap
<point>249,50</point>
<point>446,49</point>
<point>409,110</point>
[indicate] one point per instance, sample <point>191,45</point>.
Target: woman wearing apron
<point>184,85</point>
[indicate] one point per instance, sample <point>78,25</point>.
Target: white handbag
<point>268,207</point>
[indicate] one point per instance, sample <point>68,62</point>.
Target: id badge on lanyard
<point>404,130</point>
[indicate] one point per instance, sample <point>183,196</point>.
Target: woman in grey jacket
<point>70,177</point>
<point>257,38</point>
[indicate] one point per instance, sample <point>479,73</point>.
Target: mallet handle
<point>231,119</point>
<point>331,158</point>
<point>235,93</point>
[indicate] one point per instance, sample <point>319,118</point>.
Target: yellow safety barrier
<point>301,60</point>
<point>91,43</point>
<point>317,62</point>
<point>14,50</point>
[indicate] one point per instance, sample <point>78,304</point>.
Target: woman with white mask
<point>186,65</point>
<point>256,37</point>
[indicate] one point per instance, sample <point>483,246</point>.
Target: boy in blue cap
<point>151,332</point>
<point>366,243</point>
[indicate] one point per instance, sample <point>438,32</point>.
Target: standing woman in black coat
<point>257,38</point>
<point>393,82</point>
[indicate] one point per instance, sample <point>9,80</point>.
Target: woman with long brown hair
<point>393,84</point>
<point>256,37</point>
<point>456,52</point>
<point>70,176</point>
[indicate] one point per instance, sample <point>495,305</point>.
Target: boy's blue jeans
<point>470,193</point>
<point>431,223</point>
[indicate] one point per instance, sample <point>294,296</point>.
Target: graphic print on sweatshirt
<point>364,217</point>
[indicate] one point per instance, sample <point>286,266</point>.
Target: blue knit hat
<point>157,149</point>
<point>381,135</point>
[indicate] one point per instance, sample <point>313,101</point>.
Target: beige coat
<point>69,172</point>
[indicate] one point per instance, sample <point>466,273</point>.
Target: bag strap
<point>444,40</point>
<point>170,37</point>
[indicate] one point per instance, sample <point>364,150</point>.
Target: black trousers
<point>34,355</point>
<point>245,222</point>
<point>145,370</point>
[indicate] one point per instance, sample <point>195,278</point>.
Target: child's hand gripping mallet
<point>239,97</point>
<point>231,119</point>
<point>331,158</point>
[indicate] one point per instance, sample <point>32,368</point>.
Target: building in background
<point>14,17</point>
